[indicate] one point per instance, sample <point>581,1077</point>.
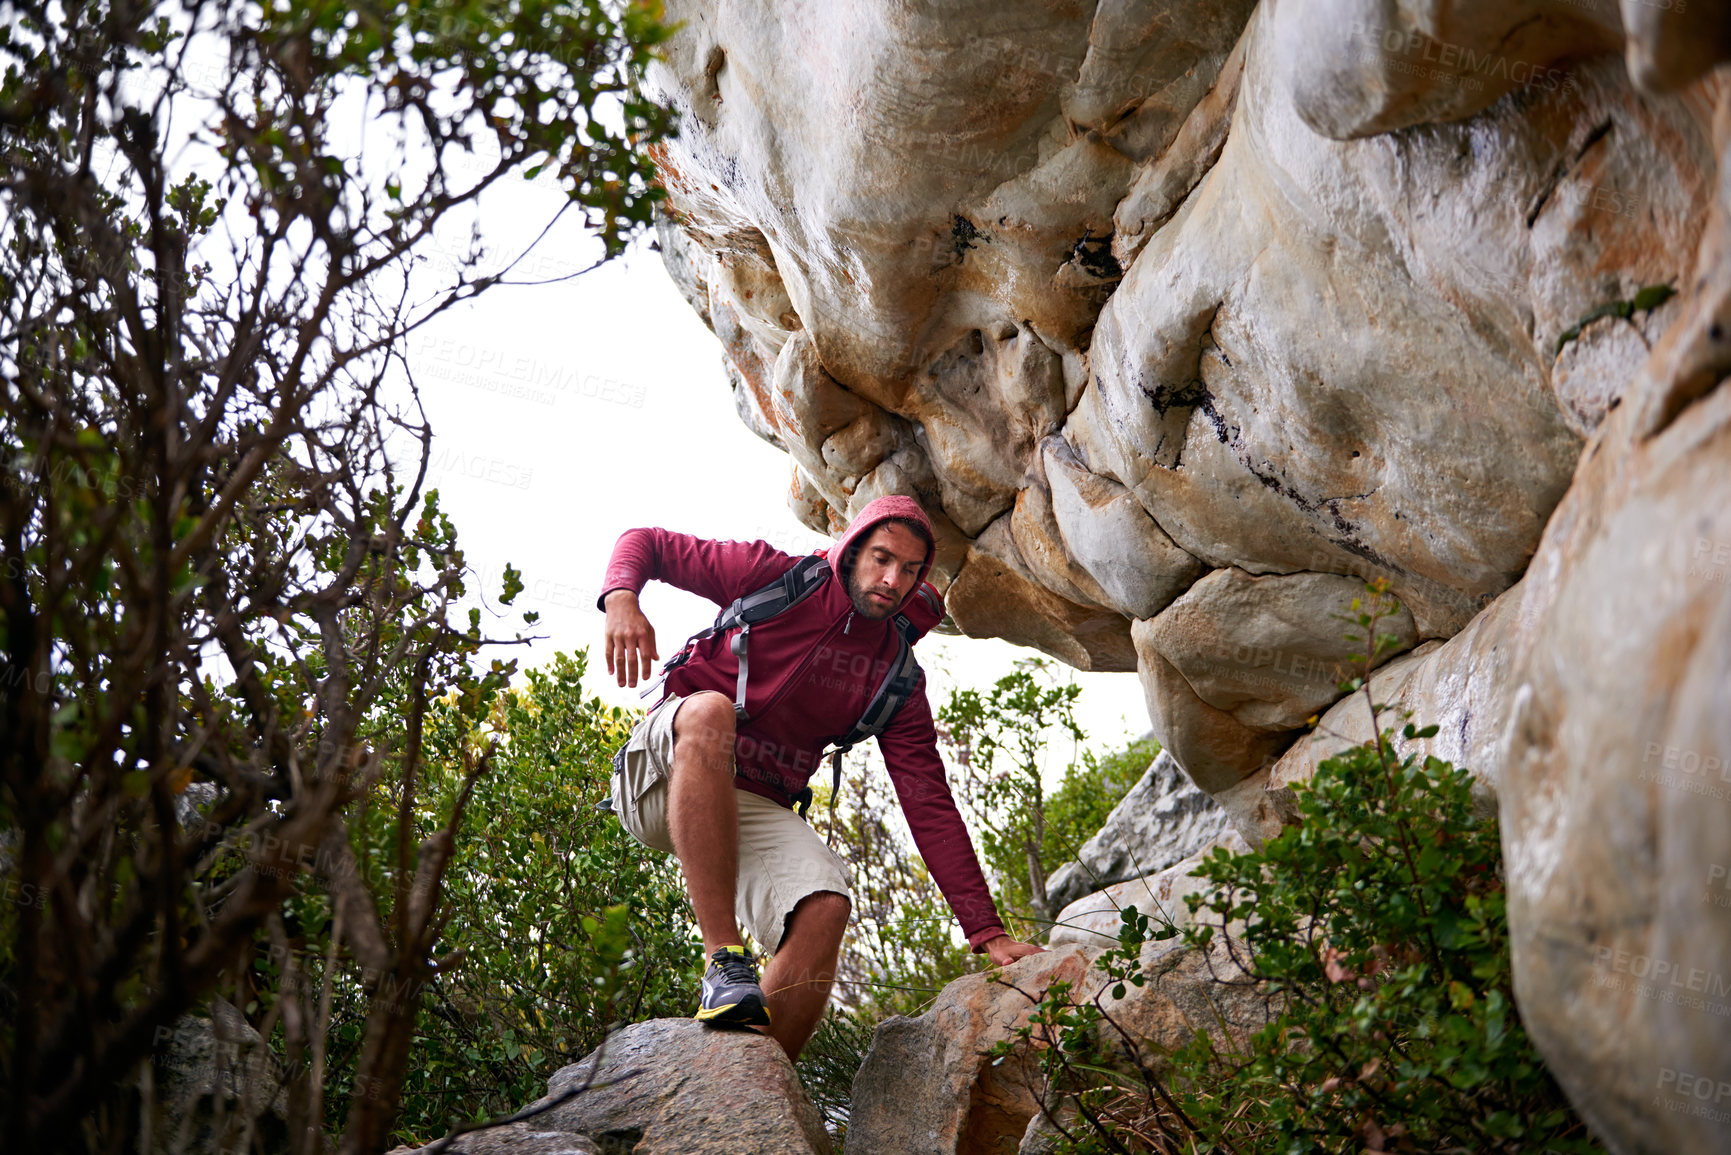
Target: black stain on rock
<point>965,236</point>
<point>1093,255</point>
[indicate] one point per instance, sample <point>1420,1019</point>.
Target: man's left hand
<point>1005,950</point>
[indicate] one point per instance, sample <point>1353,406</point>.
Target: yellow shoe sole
<point>733,1015</point>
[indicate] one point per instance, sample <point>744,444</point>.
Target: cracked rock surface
<point>1132,295</point>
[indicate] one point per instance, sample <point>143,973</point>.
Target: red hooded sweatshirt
<point>813,670</point>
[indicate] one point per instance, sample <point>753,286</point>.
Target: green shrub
<point>1380,923</point>
<point>530,889</point>
<point>901,946</point>
<point>1377,927</point>
<point>830,1061</point>
<point>557,926</point>
<point>1000,739</point>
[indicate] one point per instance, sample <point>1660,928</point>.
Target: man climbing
<point>805,656</point>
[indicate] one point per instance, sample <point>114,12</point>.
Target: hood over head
<point>876,512</point>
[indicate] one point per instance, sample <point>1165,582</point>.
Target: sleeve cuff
<point>980,938</point>
<point>601,602</point>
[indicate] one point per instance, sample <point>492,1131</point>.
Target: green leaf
<point>513,585</point>
<point>1652,296</point>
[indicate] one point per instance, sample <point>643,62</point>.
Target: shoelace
<point>737,968</point>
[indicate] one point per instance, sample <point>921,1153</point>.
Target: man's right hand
<point>629,639</point>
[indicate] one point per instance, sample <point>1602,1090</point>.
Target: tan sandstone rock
<point>1270,650</point>
<point>921,235</point>
<point>1616,776</point>
<point>994,596</point>
<point>676,1087</point>
<point>928,1084</point>
<point>1215,749</point>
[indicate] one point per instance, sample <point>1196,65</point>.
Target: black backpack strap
<point>777,597</point>
<point>897,687</point>
<point>754,608</point>
<point>783,593</point>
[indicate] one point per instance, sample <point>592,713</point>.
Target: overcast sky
<point>566,413</point>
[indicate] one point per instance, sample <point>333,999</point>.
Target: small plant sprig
<point>1094,1086</point>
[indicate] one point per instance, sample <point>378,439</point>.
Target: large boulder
<point>1140,301</point>
<point>1616,776</point>
<point>1183,320</point>
<point>526,1139</point>
<point>686,1089</point>
<point>929,1084</point>
<point>667,1087</point>
<point>1164,818</point>
<point>216,1083</point>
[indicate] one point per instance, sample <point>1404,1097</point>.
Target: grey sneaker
<point>731,996</point>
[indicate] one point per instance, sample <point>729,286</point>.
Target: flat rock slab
<point>929,1086</point>
<point>676,1087</point>
<point>1163,820</point>
<point>529,1138</point>
<point>1094,920</point>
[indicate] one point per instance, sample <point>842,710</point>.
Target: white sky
<point>566,413</point>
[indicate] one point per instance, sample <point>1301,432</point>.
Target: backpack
<point>776,598</point>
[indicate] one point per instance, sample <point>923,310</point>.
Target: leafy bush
<point>1378,926</point>
<point>530,892</point>
<point>555,926</point>
<point>1381,923</point>
<point>901,947</point>
<point>229,598</point>
<point>830,1061</point>
<point>1000,739</point>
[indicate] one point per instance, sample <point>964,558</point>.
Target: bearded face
<point>886,570</point>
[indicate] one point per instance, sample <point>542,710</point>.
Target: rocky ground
<point>928,1085</point>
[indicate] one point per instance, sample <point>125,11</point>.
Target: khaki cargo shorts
<point>781,858</point>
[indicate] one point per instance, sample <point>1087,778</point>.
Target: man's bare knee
<point>705,723</point>
<point>824,910</point>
